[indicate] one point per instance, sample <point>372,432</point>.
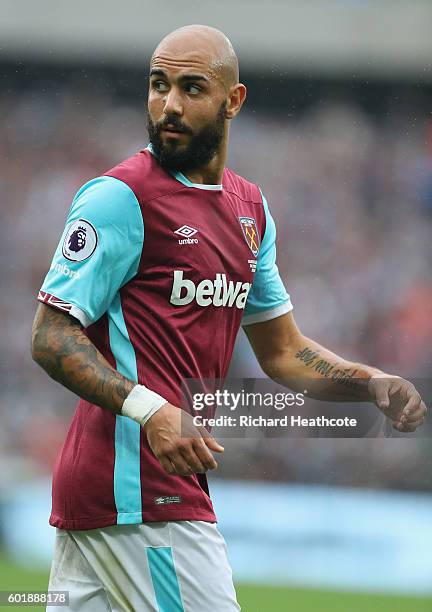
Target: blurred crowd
<point>351,195</point>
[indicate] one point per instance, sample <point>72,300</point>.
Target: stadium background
<point>337,130</point>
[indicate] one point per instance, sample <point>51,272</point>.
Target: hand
<point>399,400</point>
<point>185,455</point>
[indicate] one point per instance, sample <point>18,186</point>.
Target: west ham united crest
<point>250,233</point>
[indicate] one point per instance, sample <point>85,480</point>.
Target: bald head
<point>203,45</point>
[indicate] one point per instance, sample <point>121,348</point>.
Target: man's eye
<point>160,86</point>
<point>193,89</point>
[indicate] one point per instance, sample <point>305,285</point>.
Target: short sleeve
<point>99,251</point>
<point>267,297</point>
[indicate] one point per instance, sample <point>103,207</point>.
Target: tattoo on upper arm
<point>67,355</point>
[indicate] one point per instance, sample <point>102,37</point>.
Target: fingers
<point>181,466</point>
<point>211,442</point>
<point>414,411</point>
<point>381,391</point>
<point>167,465</point>
<point>413,415</point>
<point>400,401</point>
<point>413,404</point>
<point>407,427</point>
<point>175,464</point>
<point>192,459</point>
<point>207,459</point>
<point>189,457</point>
<point>185,454</point>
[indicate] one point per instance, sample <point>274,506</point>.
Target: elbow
<point>279,365</point>
<point>34,345</point>
<point>37,346</point>
<point>271,367</point>
<point>40,352</point>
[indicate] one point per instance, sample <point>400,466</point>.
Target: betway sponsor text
<point>219,292</point>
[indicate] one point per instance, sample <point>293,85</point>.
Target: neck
<point>211,173</point>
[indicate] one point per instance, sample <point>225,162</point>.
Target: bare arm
<point>286,355</point>
<point>62,349</point>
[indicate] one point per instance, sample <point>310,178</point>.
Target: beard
<point>202,147</point>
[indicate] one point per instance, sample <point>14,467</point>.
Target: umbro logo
<point>187,232</point>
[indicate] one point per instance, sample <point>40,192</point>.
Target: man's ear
<point>236,98</point>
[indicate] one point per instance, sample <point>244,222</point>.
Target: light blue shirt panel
<point>267,291</point>
<point>113,210</point>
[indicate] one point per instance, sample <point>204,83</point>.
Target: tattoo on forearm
<point>307,356</point>
<point>335,372</point>
<point>70,358</point>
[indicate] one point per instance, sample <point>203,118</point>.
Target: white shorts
<point>174,566</point>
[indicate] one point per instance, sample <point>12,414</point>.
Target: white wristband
<point>141,404</point>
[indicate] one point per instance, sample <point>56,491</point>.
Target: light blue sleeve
<point>267,297</point>
<point>99,251</point>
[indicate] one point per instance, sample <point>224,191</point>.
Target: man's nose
<point>173,103</point>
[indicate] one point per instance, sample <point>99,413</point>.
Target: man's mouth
<point>172,129</point>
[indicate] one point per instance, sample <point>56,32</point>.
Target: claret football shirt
<point>161,273</point>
